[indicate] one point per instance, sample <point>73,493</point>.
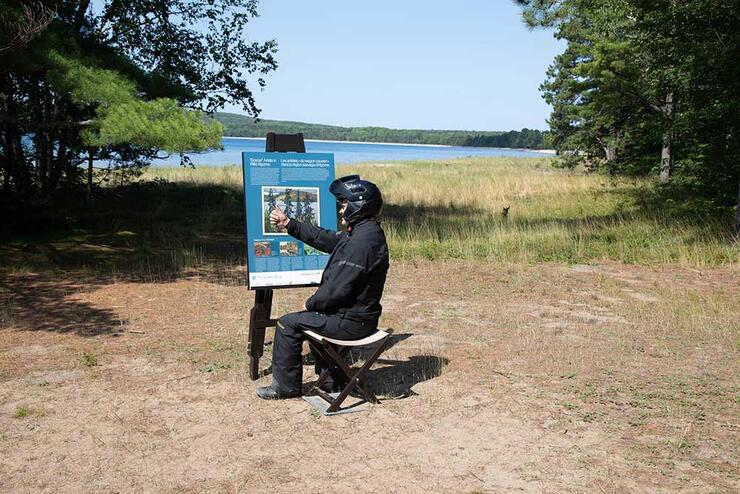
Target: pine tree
<point>308,210</point>
<point>116,81</point>
<point>298,206</point>
<point>271,205</point>
<point>648,88</point>
<point>288,201</point>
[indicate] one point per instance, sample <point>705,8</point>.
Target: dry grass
<point>441,210</point>
<point>181,222</point>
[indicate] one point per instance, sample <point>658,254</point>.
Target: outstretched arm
<point>318,238</point>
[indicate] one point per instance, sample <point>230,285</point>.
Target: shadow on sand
<point>394,379</point>
<point>33,303</point>
<point>397,377</point>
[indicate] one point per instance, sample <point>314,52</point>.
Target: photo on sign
<point>289,248</point>
<point>300,203</point>
<point>262,249</point>
<point>310,251</point>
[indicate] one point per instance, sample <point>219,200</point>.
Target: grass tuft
<point>89,360</point>
<point>25,411</point>
<point>214,367</point>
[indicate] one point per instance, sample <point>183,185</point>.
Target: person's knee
<point>288,322</point>
<point>289,326</point>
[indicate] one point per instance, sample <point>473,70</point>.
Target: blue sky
<point>470,64</point>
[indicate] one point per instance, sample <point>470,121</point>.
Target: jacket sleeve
<point>318,238</point>
<point>349,275</point>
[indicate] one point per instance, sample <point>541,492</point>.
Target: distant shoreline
<point>353,142</point>
<point>542,151</point>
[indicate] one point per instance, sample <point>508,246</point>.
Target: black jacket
<point>352,282</point>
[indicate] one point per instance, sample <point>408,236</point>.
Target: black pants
<point>287,368</point>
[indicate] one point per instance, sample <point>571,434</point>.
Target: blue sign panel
<point>297,183</point>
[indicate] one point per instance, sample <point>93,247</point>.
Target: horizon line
<point>378,126</point>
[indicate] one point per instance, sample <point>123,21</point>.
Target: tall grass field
<point>520,210</point>
<point>514,210</point>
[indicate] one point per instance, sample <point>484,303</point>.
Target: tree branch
<point>35,18</point>
<point>43,125</point>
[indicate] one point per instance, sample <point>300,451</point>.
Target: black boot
<point>270,393</point>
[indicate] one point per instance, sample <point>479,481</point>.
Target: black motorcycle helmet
<point>363,197</point>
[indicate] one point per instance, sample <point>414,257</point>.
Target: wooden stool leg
<point>328,359</point>
<point>324,374</point>
<point>334,357</point>
<point>356,379</point>
<point>369,396</point>
<point>338,359</point>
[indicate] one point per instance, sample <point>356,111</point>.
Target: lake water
<point>347,152</point>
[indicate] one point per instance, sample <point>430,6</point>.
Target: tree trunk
<point>42,157</point>
<point>15,162</point>
<point>80,14</point>
<point>59,161</point>
<point>46,149</point>
<point>737,215</point>
<point>89,171</point>
<point>611,154</point>
<point>666,158</point>
<point>4,144</point>
<point>666,153</point>
<point>610,147</point>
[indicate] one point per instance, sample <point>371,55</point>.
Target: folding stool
<point>333,351</point>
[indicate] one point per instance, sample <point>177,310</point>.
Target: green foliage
<point>647,87</point>
<point>192,221</point>
<point>200,47</point>
<point>88,83</point>
<point>161,123</point>
<point>123,118</point>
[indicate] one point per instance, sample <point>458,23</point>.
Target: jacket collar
<point>360,224</point>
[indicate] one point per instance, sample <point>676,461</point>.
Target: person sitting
<point>346,305</point>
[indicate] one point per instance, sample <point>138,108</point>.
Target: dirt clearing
<point>503,378</point>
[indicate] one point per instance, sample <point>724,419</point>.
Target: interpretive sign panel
<point>298,183</point>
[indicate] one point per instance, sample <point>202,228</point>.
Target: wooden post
<point>259,320</point>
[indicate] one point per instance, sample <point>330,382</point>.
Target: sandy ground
<point>503,378</point>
